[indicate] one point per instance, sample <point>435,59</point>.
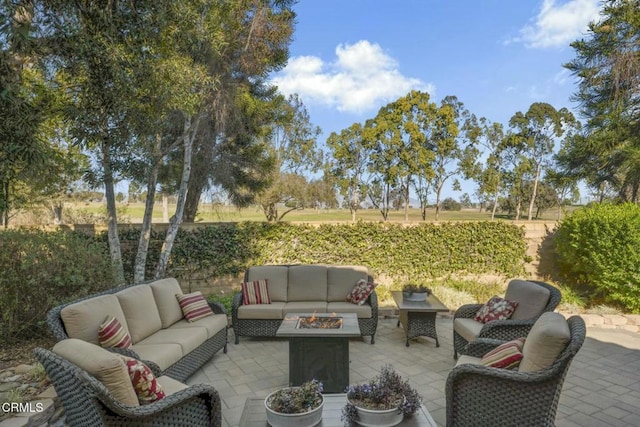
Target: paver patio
<point>601,389</point>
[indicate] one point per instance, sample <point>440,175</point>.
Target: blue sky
<point>351,57</point>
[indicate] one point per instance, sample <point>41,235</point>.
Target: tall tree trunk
<point>535,192</point>
<point>197,184</point>
<point>174,224</point>
<point>140,267</point>
<point>406,201</point>
<point>112,219</point>
<point>518,208</point>
<point>495,206</point>
<point>165,207</point>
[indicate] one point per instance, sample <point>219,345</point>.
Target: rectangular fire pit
<point>319,347</point>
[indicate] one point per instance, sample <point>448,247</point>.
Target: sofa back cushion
<point>164,293</point>
<point>307,283</point>
<point>531,298</point>
<point>106,367</point>
<point>82,319</point>
<point>548,337</point>
<point>342,278</point>
<point>140,310</point>
<point>276,275</point>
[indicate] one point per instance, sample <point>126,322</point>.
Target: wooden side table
<point>419,317</point>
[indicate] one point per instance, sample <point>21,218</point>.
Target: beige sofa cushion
<point>548,337</point>
<point>211,324</point>
<point>468,329</point>
<point>140,310</point>
<point>532,299</point>
<point>342,278</point>
<point>164,355</point>
<point>188,339</point>
<point>362,311</point>
<point>164,293</point>
<point>83,319</point>
<point>307,283</point>
<point>105,366</point>
<point>277,276</point>
<point>305,307</point>
<point>169,385</point>
<point>261,311</point>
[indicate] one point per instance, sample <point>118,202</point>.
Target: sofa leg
<point>455,354</point>
<point>224,350</point>
<point>373,339</point>
<point>237,341</point>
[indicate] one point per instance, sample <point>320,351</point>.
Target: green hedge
<point>401,252</point>
<point>41,270</point>
<point>598,250</point>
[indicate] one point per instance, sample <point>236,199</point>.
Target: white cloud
<point>559,24</point>
<point>361,78</point>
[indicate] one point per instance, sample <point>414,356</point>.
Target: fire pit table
<point>319,347</point>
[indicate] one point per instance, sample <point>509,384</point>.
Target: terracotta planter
<point>305,419</point>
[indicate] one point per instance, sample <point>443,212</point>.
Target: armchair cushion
<point>549,336</point>
<point>106,367</point>
<point>496,309</point>
<point>469,329</point>
<point>532,298</point>
<point>507,355</point>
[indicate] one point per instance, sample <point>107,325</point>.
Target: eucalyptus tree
<point>536,132</point>
<point>398,138</point>
<point>454,138</point>
<point>607,64</point>
<point>291,143</point>
<point>490,178</point>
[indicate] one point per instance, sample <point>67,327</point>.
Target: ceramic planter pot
<point>415,296</point>
<point>377,418</point>
<point>306,419</point>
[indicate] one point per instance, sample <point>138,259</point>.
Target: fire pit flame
<point>319,322</point>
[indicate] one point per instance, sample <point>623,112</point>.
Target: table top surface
<point>288,328</point>
<point>254,413</point>
<point>432,303</point>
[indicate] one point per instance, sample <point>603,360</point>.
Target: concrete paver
<point>602,387</point>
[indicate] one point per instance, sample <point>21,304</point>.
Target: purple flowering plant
<point>387,390</point>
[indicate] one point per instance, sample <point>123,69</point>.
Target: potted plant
<point>413,292</point>
<point>383,401</point>
<point>295,406</point>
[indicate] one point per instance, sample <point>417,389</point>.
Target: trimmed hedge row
<point>598,251</point>
<point>401,252</point>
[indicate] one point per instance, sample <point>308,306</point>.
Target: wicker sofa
<point>152,316</point>
<point>303,288</point>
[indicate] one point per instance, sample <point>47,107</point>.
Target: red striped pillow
<point>194,306</point>
<point>256,292</point>
<point>507,355</point>
<point>112,334</point>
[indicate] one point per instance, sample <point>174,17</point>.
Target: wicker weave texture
<point>88,403</point>
<point>180,370</point>
<point>505,330</point>
<point>479,395</point>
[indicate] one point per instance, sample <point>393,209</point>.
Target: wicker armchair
<point>465,329</point>
<point>479,395</point>
<point>88,403</point>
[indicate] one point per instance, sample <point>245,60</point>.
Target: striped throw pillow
<point>256,292</point>
<point>112,334</point>
<point>194,306</point>
<point>507,355</point>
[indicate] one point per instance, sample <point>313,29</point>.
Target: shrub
<point>598,249</point>
<point>449,204</point>
<point>43,269</point>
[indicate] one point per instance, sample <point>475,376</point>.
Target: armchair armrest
<point>192,399</point>
<point>467,311</point>
<point>216,307</point>
<point>506,330</point>
<point>481,346</point>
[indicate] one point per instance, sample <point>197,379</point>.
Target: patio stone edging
<point>627,322</point>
